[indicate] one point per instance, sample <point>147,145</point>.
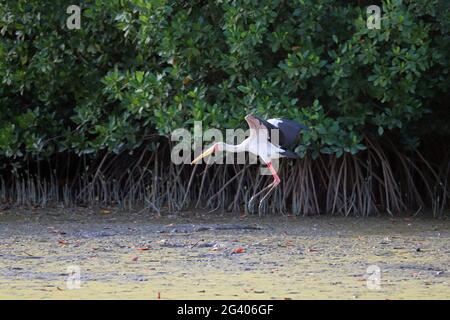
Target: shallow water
<point>137,256</point>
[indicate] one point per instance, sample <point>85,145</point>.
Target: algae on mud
<point>135,256</point>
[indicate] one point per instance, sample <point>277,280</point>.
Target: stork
<point>261,143</point>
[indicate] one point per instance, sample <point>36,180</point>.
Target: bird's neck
<point>235,148</point>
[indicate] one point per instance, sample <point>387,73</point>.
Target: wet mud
<point>107,254</point>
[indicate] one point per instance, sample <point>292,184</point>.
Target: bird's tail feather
<point>289,154</point>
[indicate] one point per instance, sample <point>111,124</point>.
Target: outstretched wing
<point>289,131</point>
<point>261,128</point>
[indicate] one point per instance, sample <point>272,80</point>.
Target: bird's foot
<point>260,208</point>
<point>251,206</point>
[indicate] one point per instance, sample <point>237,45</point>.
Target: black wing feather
<point>289,131</point>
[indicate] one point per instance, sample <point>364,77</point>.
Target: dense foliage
<point>138,67</point>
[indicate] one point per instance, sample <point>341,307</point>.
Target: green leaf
<point>243,89</point>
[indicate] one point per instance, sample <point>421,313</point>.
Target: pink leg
<point>276,178</point>
<point>276,182</point>
<point>270,187</point>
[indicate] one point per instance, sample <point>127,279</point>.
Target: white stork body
<point>261,143</point>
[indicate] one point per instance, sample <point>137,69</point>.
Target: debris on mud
<point>239,250</point>
<point>190,228</point>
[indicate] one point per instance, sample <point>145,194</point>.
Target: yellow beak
<point>208,151</point>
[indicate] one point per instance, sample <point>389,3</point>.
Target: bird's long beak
<point>208,151</point>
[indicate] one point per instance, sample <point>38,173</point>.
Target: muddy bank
<point>131,255</point>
